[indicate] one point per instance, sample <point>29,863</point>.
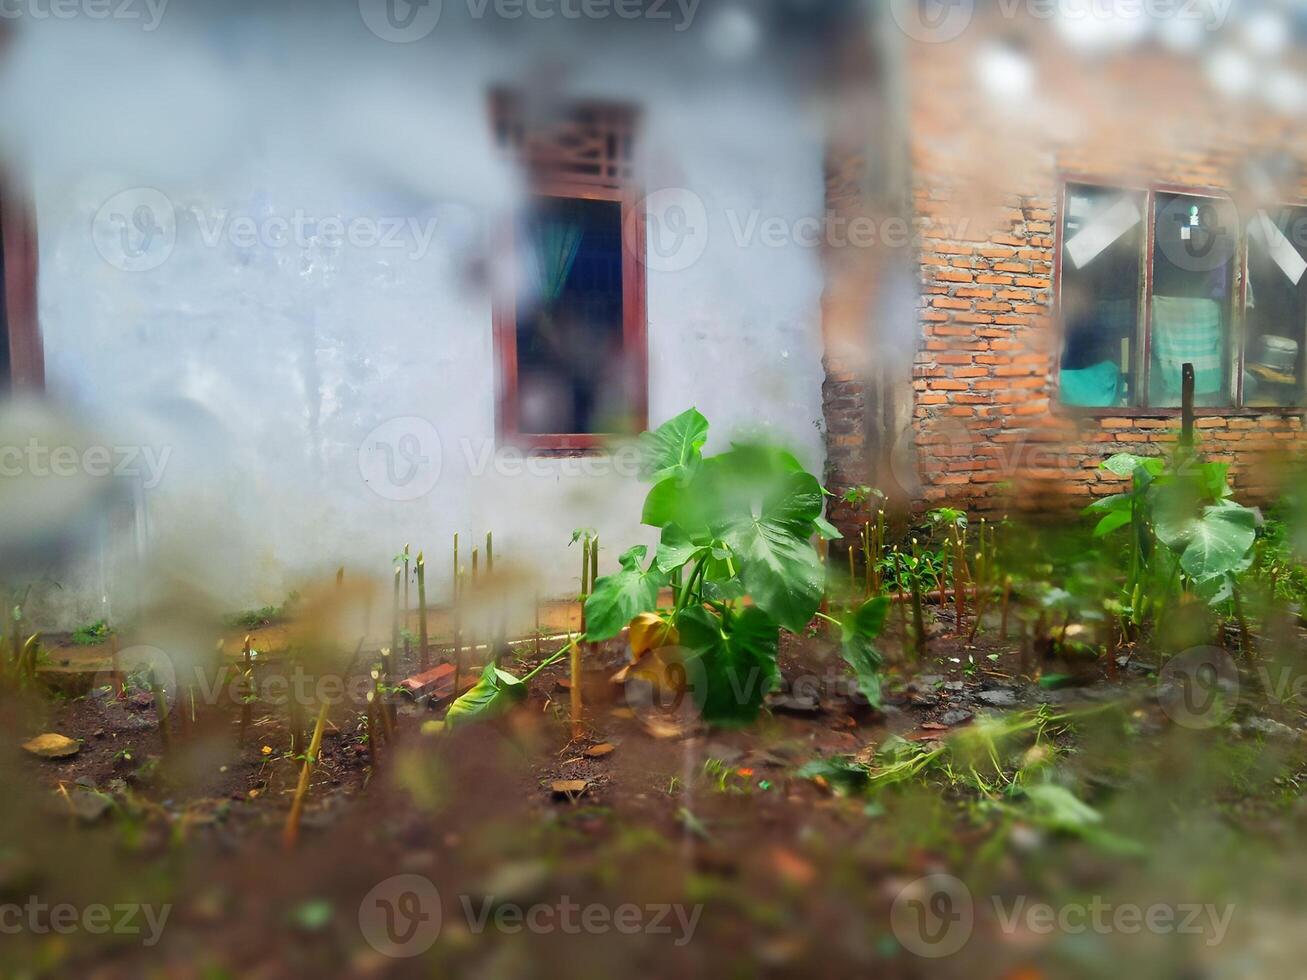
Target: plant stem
<point>290,836</point>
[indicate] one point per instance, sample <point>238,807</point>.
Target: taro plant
<point>736,550</point>
<point>1185,531</point>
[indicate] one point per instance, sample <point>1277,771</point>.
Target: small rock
<point>955,717</point>
<point>88,805</point>
<point>53,746</point>
<point>998,698</point>
<point>1271,728</point>
<point>796,704</point>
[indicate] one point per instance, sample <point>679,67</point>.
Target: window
<point>1101,275</point>
<point>570,334</point>
<point>1275,308</point>
<point>1152,279</point>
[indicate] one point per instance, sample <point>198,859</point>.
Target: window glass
<point>1275,307</point>
<point>1194,247</point>
<point>1102,239</point>
<point>570,366</point>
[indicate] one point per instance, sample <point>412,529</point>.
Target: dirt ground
<point>790,875</point>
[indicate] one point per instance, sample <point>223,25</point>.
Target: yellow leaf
<point>52,746</point>
<point>663,669</point>
<point>649,631</point>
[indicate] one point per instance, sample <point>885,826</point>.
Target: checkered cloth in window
<point>1187,330</point>
<point>1116,317</point>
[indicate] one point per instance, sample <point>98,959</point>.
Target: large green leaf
<point>1219,542</point>
<point>620,597</point>
<point>1212,542</point>
<point>676,548</point>
<point>660,503</point>
<point>827,530</point>
<point>1111,521</point>
<point>858,631</point>
<point>673,449</point>
<point>1122,464</point>
<point>734,665</point>
<point>492,695</point>
<point>778,566</point>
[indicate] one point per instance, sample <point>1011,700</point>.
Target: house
<point>1098,197</point>
<point>323,283</point>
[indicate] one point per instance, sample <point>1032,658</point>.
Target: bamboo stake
<point>880,542</point>
<point>455,623</point>
<point>27,660</point>
<point>290,836</point>
<point>386,709</point>
<point>980,589</point>
<point>247,690</point>
<point>867,559</point>
<point>594,561</point>
<point>423,651</point>
<point>918,619</point>
<point>120,690</point>
<point>408,605</point>
<point>574,656</point>
<point>490,552</point>
<point>458,639</point>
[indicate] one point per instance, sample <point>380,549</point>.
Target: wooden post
<point>1187,407</point>
<point>408,605</point>
<point>423,652</point>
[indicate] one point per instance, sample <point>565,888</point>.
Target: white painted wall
<point>261,370</point>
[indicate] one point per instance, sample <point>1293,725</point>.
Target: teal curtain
<point>554,244</point>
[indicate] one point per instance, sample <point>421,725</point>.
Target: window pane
<point>1194,241</point>
<point>1275,307</point>
<point>1102,235</point>
<point>570,366</point>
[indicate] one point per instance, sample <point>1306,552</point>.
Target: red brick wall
<point>986,181</point>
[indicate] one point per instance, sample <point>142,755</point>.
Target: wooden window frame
<point>1232,360</point>
<point>26,350</point>
<point>629,196</point>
